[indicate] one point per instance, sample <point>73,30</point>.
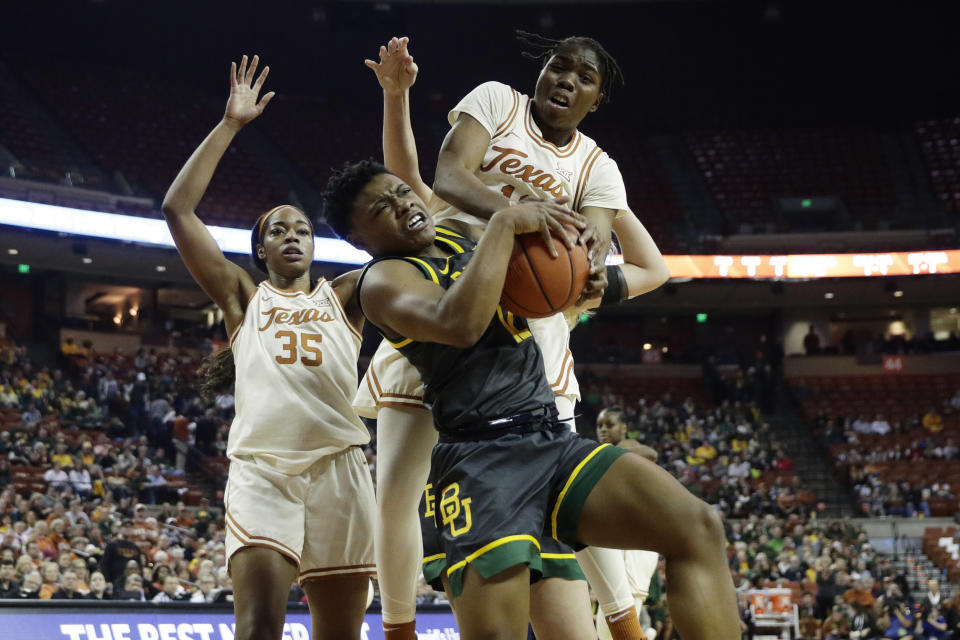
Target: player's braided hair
<point>342,190</point>
<point>217,373</point>
<point>542,48</point>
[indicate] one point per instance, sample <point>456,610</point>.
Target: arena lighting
<point>112,226</point>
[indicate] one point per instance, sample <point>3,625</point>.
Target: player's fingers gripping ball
<point>539,285</point>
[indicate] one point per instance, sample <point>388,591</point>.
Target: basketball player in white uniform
<point>299,498</point>
<point>517,163</point>
<point>640,565</point>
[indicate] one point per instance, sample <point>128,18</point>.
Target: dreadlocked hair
<point>542,48</point>
<point>342,190</point>
<point>217,373</point>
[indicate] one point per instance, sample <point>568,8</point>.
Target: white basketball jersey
<point>520,162</point>
<point>296,371</point>
<point>553,337</point>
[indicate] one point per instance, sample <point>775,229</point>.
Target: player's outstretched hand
<point>243,104</point>
<point>396,71</point>
<point>544,216</point>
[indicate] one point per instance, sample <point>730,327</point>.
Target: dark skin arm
<point>229,286</point>
<point>345,285</point>
<point>642,450</point>
<point>456,182</point>
<point>398,299</point>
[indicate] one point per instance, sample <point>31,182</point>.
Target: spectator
<point>932,421</point>
<point>30,587</point>
<point>132,588</point>
<point>933,597</point>
<point>51,580</point>
<point>811,342</point>
<point>99,587</point>
<point>69,348</point>
<point>858,594</point>
<point>879,425</point>
<point>56,477</point>
<point>172,591</point>
<point>119,553</point>
<point>809,622</point>
<point>897,620</point>
<point>80,480</point>
<point>68,587</point>
<point>9,586</point>
<point>836,626</point>
<point>206,588</point>
<point>934,624</point>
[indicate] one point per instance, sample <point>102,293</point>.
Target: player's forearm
<point>399,145</point>
<point>644,268</point>
<point>191,183</point>
<point>471,302</point>
<point>455,184</point>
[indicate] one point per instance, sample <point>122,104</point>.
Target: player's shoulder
<point>497,88</point>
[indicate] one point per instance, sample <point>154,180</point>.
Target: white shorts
<point>322,519</point>
<point>390,381</point>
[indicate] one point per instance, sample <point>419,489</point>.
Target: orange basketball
<point>539,285</point>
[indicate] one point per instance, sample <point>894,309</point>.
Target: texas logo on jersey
<point>519,162</point>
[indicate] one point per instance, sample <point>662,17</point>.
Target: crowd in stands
<point>724,452</point>
<point>843,587</point>
<point>900,458</point>
<point>92,458</point>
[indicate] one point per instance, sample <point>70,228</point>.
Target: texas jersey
<point>296,372</point>
<point>520,162</point>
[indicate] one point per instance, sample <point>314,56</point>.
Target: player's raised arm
<point>396,72</point>
<point>396,297</point>
<point>226,283</point>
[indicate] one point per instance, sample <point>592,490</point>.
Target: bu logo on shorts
<point>450,507</point>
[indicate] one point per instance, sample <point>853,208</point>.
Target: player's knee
<point>708,525</point>
<point>254,624</point>
<point>702,530</point>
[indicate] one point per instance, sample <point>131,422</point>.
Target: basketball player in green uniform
<point>505,471</point>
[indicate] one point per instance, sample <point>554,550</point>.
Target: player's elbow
<point>661,273</point>
<point>170,207</point>
<point>445,178</point>
<point>466,334</point>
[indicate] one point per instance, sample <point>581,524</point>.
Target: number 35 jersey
<point>296,371</point>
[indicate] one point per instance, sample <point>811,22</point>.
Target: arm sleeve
<point>490,104</point>
<point>616,291</point>
<point>604,187</point>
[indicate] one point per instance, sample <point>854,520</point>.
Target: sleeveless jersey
<point>500,376</point>
<point>520,162</point>
<point>296,371</point>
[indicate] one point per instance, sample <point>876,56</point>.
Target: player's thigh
<point>494,607</point>
<point>337,605</point>
<point>560,609</point>
<point>261,583</point>
<point>405,438</point>
<point>638,505</point>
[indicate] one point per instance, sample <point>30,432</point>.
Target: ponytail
<point>217,373</point>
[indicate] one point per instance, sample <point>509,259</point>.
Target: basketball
<point>539,285</point>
